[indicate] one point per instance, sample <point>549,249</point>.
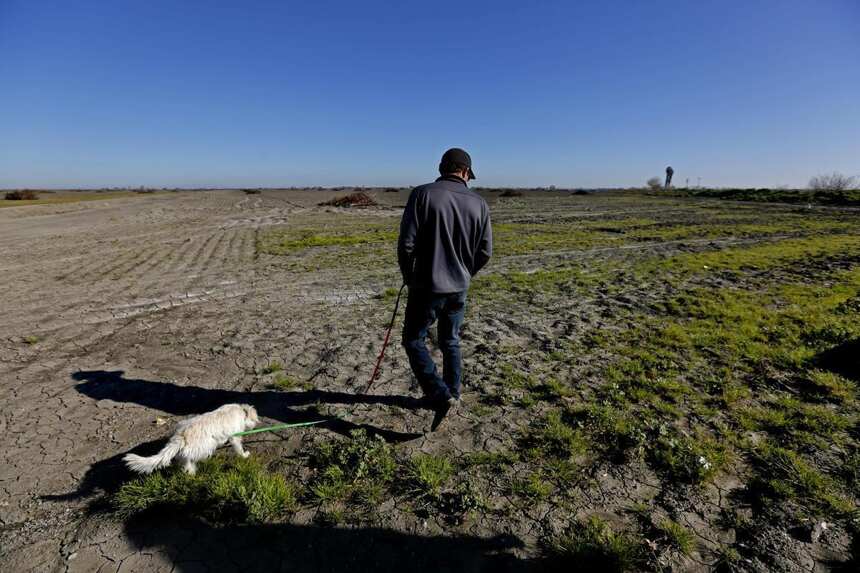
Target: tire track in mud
<point>204,281</point>
<point>104,286</point>
<point>200,268</point>
<point>105,289</point>
<point>176,270</point>
<point>209,260</point>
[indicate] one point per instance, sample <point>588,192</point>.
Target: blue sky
<point>252,93</point>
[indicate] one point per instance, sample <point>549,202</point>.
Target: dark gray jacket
<point>445,236</point>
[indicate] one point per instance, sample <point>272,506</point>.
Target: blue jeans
<point>423,308</point>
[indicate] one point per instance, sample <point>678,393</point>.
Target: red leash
<point>385,342</point>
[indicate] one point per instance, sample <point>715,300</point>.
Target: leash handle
<point>385,342</point>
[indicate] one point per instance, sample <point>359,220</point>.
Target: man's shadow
<point>186,400</point>
<point>192,544</point>
<point>108,474</point>
<point>843,359</point>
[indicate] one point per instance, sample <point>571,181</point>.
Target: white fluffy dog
<point>197,438</point>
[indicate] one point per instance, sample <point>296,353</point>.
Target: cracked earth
<point>168,298</point>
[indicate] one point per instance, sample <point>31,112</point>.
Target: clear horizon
<point>268,94</point>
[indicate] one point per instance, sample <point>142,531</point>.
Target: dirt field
<point>649,383</point>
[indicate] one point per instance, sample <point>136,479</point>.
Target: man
<point>669,173</point>
<point>445,239</point>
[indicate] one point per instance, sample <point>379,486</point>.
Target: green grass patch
<point>523,238</point>
<point>358,468</point>
<point>283,382</point>
<point>534,486</point>
<point>272,367</point>
<point>288,240</point>
<point>592,545</point>
<point>672,231</point>
<point>530,283</point>
<point>553,437</point>
<point>759,256</point>
<point>428,474</point>
<point>794,196</point>
<point>785,476</point>
<point>224,490</point>
<point>496,460</point>
<point>389,294</point>
<point>687,459</point>
<point>796,422</point>
<point>614,429</point>
<point>676,536</point>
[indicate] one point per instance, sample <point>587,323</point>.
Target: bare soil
<point>120,317</point>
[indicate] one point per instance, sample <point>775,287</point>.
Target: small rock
<point>817,530</point>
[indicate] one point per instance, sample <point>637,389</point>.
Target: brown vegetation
<point>21,195</point>
<point>352,200</point>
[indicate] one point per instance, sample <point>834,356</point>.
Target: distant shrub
<point>511,193</point>
<point>252,191</point>
<point>654,183</point>
<point>581,192</point>
<point>833,182</point>
<point>392,190</point>
<point>21,195</point>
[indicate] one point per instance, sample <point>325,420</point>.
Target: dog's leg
<point>236,442</point>
<point>189,466</point>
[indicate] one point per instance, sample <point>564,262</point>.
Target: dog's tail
<point>160,460</point>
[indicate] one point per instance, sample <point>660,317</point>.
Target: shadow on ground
<point>843,360</point>
<point>107,475</point>
<point>186,543</point>
<point>194,545</point>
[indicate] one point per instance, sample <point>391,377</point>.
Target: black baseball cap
<point>458,157</point>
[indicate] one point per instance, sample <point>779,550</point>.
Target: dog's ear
<point>250,412</point>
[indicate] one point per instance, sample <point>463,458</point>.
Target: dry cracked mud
<point>121,316</point>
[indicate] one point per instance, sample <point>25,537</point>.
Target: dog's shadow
<point>108,474</point>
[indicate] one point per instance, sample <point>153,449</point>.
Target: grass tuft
<point>359,467</point>
<point>224,490</point>
<point>428,474</point>
<point>592,545</point>
<point>553,437</point>
<point>272,367</point>
<point>686,459</point>
<point>283,382</point>
<point>786,476</point>
<point>677,536</point>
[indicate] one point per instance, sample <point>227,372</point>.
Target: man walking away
<point>669,173</point>
<point>445,239</point>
